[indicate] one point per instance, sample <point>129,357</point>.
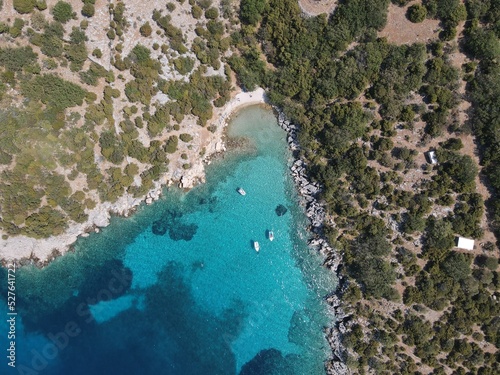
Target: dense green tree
<point>483,44</point>
<point>413,223</point>
<point>416,13</point>
<point>462,169</point>
<point>367,265</point>
<point>251,11</point>
<point>488,262</point>
<point>457,265</point>
<point>62,11</point>
<point>439,239</point>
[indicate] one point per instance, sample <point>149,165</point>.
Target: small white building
<point>431,157</point>
<point>465,243</point>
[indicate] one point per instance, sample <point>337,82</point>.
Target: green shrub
<point>3,27</point>
<point>62,11</point>
<point>439,239</point>
<point>171,144</point>
<point>88,10</point>
<point>140,54</point>
<point>204,4</point>
<point>416,13</point>
<point>483,43</point>
<point>76,54</point>
<point>146,30</point>
<point>24,6</point>
<point>489,262</point>
<point>41,5</point>
<point>453,144</point>
<point>185,137</point>
<point>16,28</point>
<point>462,170</point>
<point>457,265</point>
<point>383,144</point>
<point>111,34</point>
<point>413,223</point>
<point>184,65</point>
<point>251,11</point>
<point>5,158</point>
<point>227,9</point>
<point>51,46</point>
<point>196,11</point>
<point>92,75</point>
<point>211,13</point>
<point>131,169</point>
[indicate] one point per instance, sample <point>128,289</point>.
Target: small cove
<point>178,288</point>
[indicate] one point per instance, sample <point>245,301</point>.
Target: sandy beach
<point>41,251</point>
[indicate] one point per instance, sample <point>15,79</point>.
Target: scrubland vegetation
<point>419,304</point>
<point>77,130</point>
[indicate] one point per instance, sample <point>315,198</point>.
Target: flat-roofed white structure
<point>465,243</point>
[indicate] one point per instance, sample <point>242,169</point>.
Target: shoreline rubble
<point>316,214</point>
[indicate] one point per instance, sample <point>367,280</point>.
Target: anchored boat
<point>256,246</point>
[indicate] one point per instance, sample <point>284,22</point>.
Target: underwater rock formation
<point>281,210</point>
<point>171,222</point>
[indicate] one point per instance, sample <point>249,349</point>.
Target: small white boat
<point>256,246</point>
<point>270,235</point>
<point>241,191</point>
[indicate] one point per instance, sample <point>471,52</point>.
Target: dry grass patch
<point>316,7</point>
<point>399,30</point>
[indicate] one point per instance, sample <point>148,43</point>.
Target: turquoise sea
<point>178,287</point>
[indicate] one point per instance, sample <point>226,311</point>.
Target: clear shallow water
<point>178,288</point>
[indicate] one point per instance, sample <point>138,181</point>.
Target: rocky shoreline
<point>315,212</point>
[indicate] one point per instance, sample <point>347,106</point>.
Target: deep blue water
<point>178,288</point>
